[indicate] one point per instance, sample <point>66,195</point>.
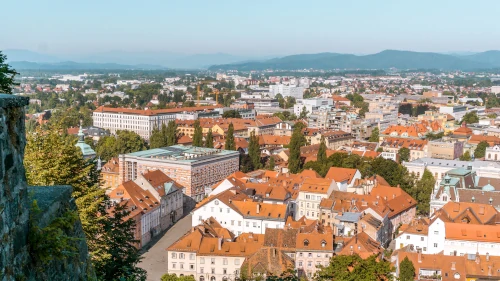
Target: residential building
<point>344,177</point>
<point>313,249</point>
<point>418,148</point>
<point>492,153</point>
<point>287,91</point>
<point>239,213</point>
<point>311,105</point>
<point>110,174</point>
<point>310,194</point>
<point>194,168</point>
<point>449,150</point>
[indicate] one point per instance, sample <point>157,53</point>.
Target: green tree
<point>404,154</point>
<point>354,268</point>
<point>209,141</point>
<point>120,257</point>
<point>128,141</point>
<point>406,270</point>
<point>321,156</point>
<point>374,137</point>
<point>470,117</point>
<point>7,75</point>
<point>231,114</point>
<point>198,134</point>
<point>466,156</point>
<point>52,158</point>
<point>254,150</point>
<point>106,148</point>
<point>271,164</point>
<point>422,192</point>
<point>298,140</point>
<point>230,144</point>
<point>156,139</point>
<point>171,133</point>
<point>303,113</point>
<point>480,150</point>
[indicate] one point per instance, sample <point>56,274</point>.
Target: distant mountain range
<point>383,60</point>
<point>25,59</point>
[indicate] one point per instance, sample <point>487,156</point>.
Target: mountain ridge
<point>383,60</point>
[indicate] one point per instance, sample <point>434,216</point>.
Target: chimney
<point>219,244</point>
<point>258,208</point>
<point>419,256</point>
<point>487,256</point>
<point>477,258</point>
<point>453,265</point>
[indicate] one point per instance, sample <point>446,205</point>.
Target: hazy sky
<point>250,27</point>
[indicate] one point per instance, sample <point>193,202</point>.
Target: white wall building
<point>286,91</point>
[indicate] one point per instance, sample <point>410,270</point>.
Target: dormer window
<point>306,243</point>
<point>323,243</point>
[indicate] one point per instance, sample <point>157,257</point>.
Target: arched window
<point>202,278</point>
<point>323,243</point>
<point>306,243</point>
<point>212,278</point>
<point>224,278</point>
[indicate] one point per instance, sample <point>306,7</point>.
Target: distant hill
<point>69,65</point>
<point>127,58</point>
<point>383,60</point>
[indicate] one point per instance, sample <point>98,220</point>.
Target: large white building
<point>238,213</point>
<point>140,121</point>
<point>287,91</point>
<point>311,105</point>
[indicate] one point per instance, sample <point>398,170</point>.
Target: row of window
<point>310,264</point>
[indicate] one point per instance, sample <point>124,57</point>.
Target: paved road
<point>155,259</point>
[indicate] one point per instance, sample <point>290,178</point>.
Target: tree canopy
<point>480,150</point>
<point>404,154</point>
<point>374,137</point>
<point>254,151</point>
<point>231,114</point>
<point>7,74</point>
<point>198,134</point>
<point>406,270</point>
<point>354,268</point>
<point>296,142</point>
<point>230,143</point>
<point>470,117</point>
<point>124,142</point>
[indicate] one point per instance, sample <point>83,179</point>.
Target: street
<point>155,259</point>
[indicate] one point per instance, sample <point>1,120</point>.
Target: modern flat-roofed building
<point>195,168</point>
<point>140,121</point>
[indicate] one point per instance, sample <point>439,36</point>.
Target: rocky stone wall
<point>16,262</point>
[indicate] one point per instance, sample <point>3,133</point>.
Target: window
<point>300,263</point>
<point>248,224</point>
<point>323,243</point>
<point>224,261</point>
<point>236,262</point>
<point>173,265</point>
<point>309,263</point>
<point>191,256</point>
<point>300,255</point>
<point>201,269</point>
<point>435,245</point>
<point>212,261</point>
<point>425,249</point>
<point>421,238</point>
<point>213,272</point>
<point>312,214</point>
<point>254,224</point>
<point>239,223</point>
<point>224,271</point>
<point>202,260</point>
<point>174,255</point>
<point>407,237</point>
<point>191,266</point>
<point>228,210</point>
<point>310,255</point>
<point>232,222</point>
<point>181,255</point>
<point>306,243</point>
<point>181,265</point>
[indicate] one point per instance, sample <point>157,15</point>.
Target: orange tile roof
<point>472,213</point>
<point>411,144</point>
<point>480,233</point>
<point>315,242</point>
<point>491,140</point>
<point>361,244</point>
<point>274,140</point>
<point>150,112</point>
<point>138,197</point>
<point>463,130</point>
<point>449,265</point>
<point>341,174</point>
<point>111,166</point>
<point>316,185</point>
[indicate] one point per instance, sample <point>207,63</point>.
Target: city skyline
<point>265,29</point>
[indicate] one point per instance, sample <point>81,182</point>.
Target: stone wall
<point>16,262</point>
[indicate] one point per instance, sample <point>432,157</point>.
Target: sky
<point>250,28</point>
